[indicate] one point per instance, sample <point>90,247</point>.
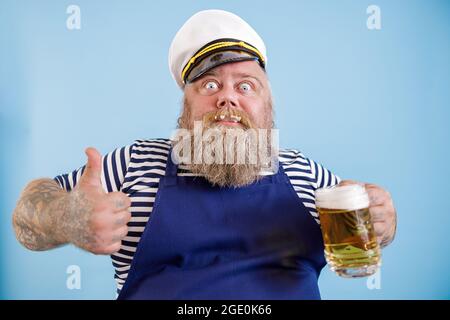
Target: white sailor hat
<point>211,38</point>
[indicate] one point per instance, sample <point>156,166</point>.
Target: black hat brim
<point>216,59</point>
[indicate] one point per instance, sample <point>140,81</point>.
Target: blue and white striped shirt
<point>137,168</point>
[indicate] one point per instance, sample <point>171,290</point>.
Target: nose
<point>227,98</point>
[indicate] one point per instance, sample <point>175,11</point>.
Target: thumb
<point>93,169</point>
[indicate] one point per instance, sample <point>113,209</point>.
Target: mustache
<point>227,114</point>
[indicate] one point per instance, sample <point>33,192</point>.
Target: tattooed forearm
<point>32,217</point>
<point>30,236</point>
<point>44,217</point>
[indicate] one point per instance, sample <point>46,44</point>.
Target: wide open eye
<point>211,85</point>
<point>245,87</point>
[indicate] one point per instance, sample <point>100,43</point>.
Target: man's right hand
<point>99,219</point>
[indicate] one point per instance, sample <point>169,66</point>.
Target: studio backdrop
<point>363,87</point>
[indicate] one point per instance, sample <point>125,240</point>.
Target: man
<point>181,227</point>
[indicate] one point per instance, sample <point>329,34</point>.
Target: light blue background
<point>370,105</point>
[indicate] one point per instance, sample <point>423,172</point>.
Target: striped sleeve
<point>306,176</point>
<point>114,168</point>
<point>323,177</point>
<point>300,167</point>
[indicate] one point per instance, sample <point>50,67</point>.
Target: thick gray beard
<point>225,175</point>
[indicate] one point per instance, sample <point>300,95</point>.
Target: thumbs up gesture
<point>98,219</point>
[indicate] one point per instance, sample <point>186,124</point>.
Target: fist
<point>98,219</point>
<point>382,211</point>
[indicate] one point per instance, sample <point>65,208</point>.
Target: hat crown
<point>204,27</point>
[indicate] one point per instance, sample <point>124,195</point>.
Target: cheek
<point>256,109</point>
<point>201,106</point>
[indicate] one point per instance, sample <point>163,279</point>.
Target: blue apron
<point>209,242</point>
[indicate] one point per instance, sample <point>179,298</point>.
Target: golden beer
<point>351,247</point>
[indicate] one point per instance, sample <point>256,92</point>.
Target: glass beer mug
<point>351,247</point>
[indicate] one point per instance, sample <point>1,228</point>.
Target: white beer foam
<point>351,197</point>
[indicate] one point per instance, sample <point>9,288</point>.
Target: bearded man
<point>216,212</point>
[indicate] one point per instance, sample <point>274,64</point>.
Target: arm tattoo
<point>47,216</point>
<point>32,218</point>
<point>75,220</point>
<point>120,204</point>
